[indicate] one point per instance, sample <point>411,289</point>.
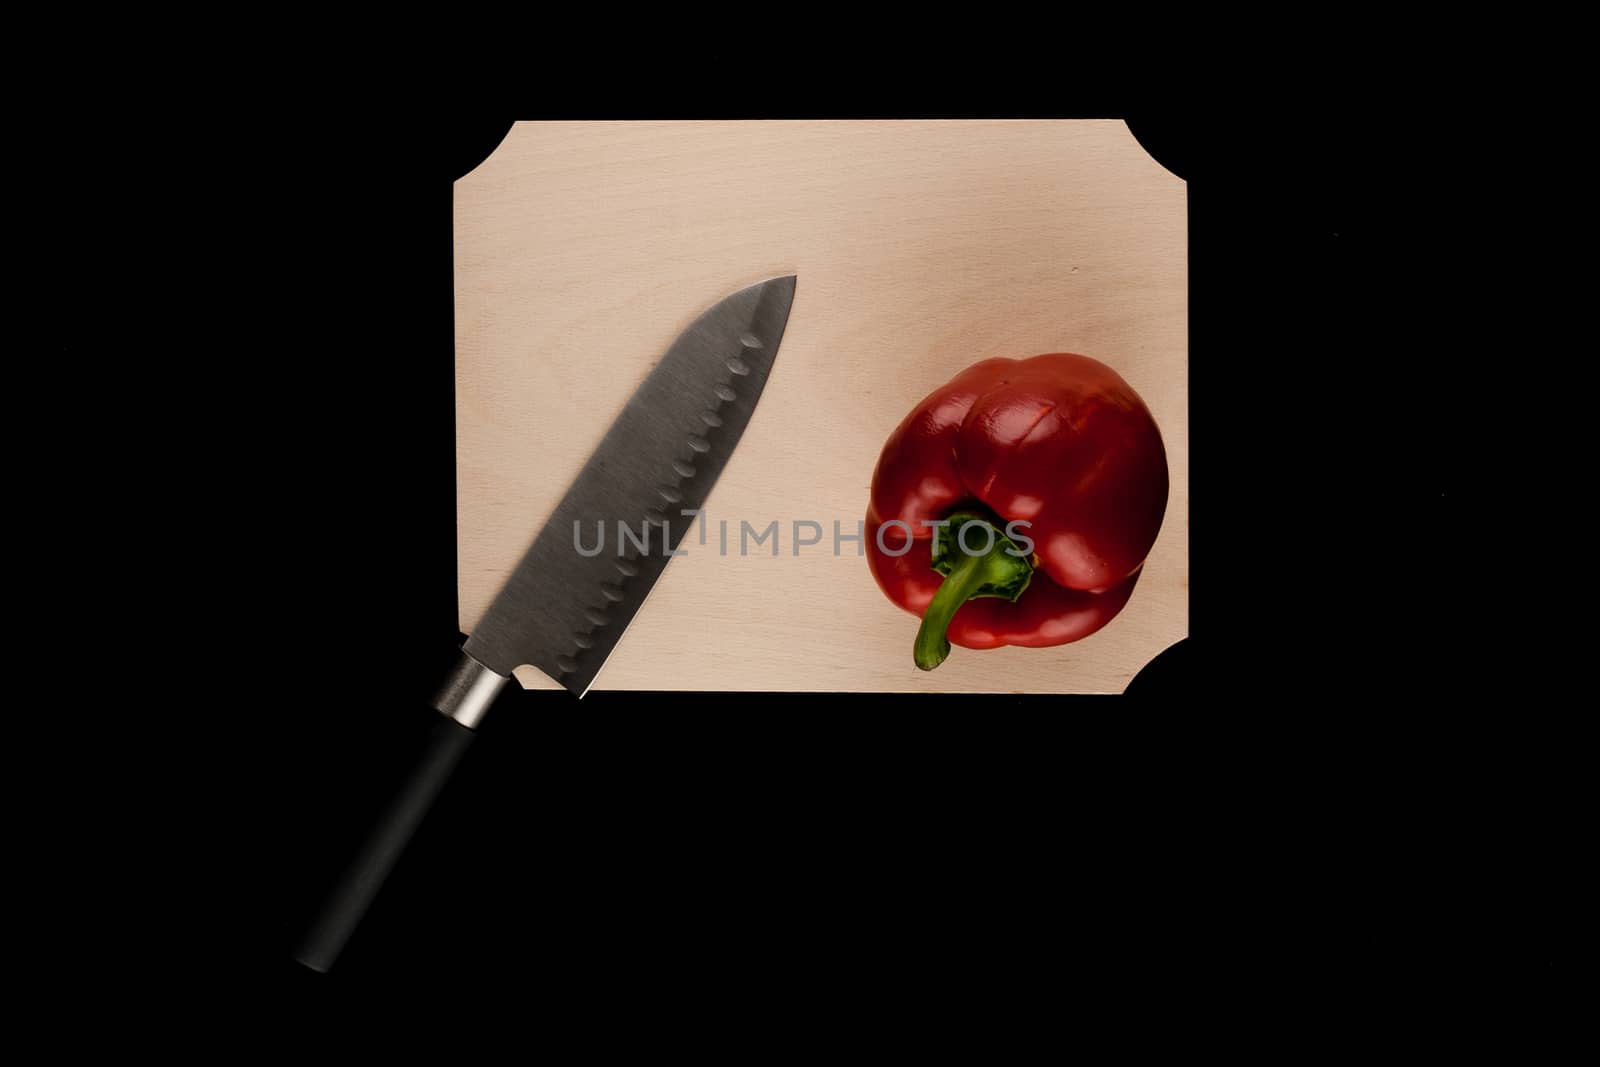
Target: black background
<point>642,841</point>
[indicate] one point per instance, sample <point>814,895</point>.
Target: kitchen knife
<point>589,571</point>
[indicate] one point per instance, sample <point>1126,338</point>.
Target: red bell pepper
<point>1055,456</point>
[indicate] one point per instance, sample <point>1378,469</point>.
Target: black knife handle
<point>342,909</point>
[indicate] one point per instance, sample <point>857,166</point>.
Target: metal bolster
<point>468,692</point>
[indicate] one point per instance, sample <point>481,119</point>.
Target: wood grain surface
<point>582,249</point>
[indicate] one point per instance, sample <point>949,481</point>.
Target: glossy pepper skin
<point>1059,441</point>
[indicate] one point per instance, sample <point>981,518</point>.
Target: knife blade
<point>563,610</point>
<point>588,572</point>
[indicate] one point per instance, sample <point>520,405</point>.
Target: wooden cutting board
<point>583,248</point>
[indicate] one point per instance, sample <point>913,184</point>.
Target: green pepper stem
<point>1001,570</point>
<point>932,648</point>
